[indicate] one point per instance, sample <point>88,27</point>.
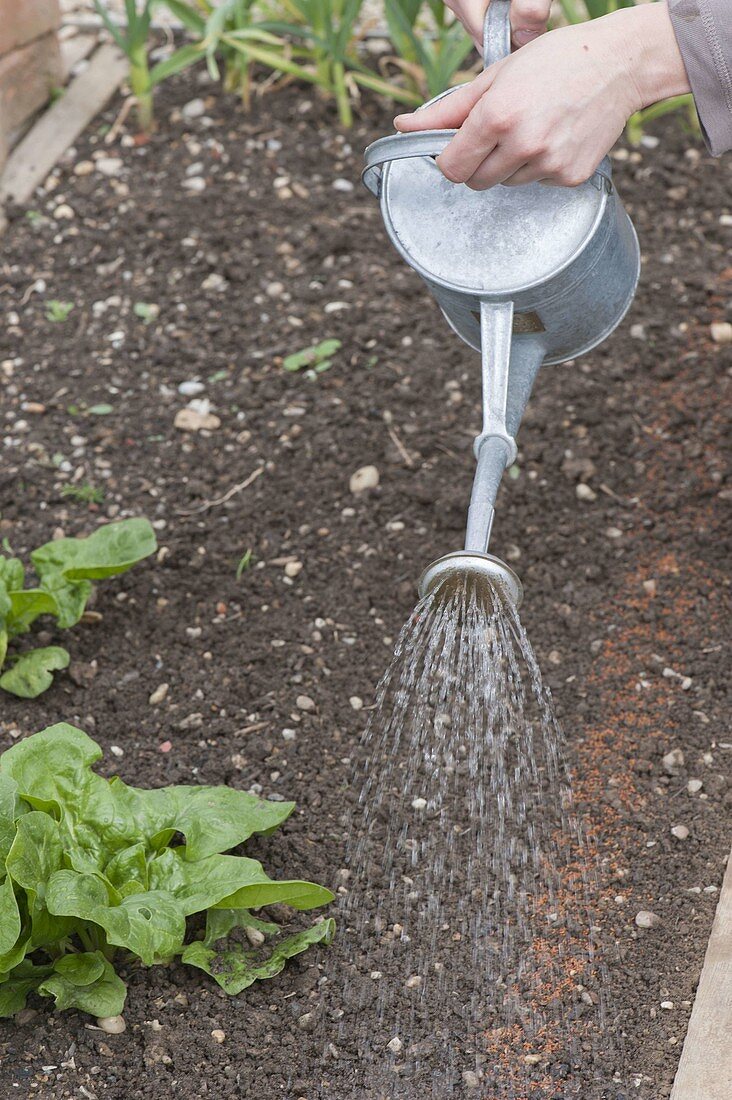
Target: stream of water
<point>468,962</point>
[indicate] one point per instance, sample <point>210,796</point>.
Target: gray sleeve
<point>703,29</point>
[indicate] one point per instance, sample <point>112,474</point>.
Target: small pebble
<point>307,1021</point>
<point>667,1005</point>
<point>395,1045</point>
<point>194,108</point>
<point>293,568</point>
<point>419,803</point>
<point>304,702</point>
<point>646,919</point>
<point>673,761</point>
<point>218,1035</point>
<point>532,1059</point>
<point>721,331</point>
<point>191,389</point>
<point>255,937</point>
<point>584,492</point>
<point>113,1025</point>
<point>158,695</point>
<point>355,702</point>
<point>366,477</point>
<point>342,185</point>
<point>614,533</point>
<point>680,832</point>
<point>414,982</point>
<point>289,735</point>
<point>109,166</point>
<point>471,1080</point>
<point>694,786</point>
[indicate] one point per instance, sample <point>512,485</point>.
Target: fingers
<point>501,165</point>
<point>471,14</point>
<point>450,111</point>
<point>480,134</point>
<point>529,19</point>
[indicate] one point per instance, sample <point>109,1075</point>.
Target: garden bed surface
<point>271,252</point>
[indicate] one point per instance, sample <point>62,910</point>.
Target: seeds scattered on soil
<point>673,761</point>
<point>304,702</point>
<point>366,477</point>
<point>646,919</point>
<point>218,1035</point>
<point>395,1045</point>
<point>159,695</point>
<point>113,1025</point>
<point>680,832</point>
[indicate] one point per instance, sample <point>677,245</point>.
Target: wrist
<point>651,56</point>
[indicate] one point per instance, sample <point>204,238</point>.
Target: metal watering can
<point>526,275</point>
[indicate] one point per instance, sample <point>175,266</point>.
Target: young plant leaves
<point>32,673</point>
<point>88,865</point>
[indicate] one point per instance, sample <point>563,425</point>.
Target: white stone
<point>191,389</point>
<point>214,281</point>
<point>195,184</point>
<point>419,803</point>
<point>335,307</point>
<point>395,1045</point>
<point>159,694</point>
<point>218,1035</point>
<point>189,420</point>
<point>471,1080</point>
<point>646,919</point>
<point>194,108</point>
<point>109,166</point>
<point>113,1025</point>
<point>293,568</point>
<point>304,702</point>
<point>721,331</point>
<point>585,492</point>
<point>342,185</point>
<point>356,702</point>
<point>366,477</point>
<point>694,786</point>
<point>680,832</point>
<point>673,761</point>
<point>289,735</point>
<point>255,937</point>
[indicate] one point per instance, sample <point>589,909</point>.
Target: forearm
<point>654,64</point>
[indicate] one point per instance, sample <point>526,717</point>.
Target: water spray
<point>526,275</point>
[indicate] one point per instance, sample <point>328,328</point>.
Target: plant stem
<point>142,88</point>
<point>341,94</point>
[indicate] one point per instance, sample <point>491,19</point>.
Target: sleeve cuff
<point>703,30</point>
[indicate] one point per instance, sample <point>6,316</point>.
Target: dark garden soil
<point>627,594</point>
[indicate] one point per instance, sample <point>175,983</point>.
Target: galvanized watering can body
<point>527,275</point>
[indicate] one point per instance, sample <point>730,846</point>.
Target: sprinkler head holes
<point>480,569</point>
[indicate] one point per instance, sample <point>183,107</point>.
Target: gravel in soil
<point>196,263</point>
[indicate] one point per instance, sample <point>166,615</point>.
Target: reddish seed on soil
<point>166,746</point>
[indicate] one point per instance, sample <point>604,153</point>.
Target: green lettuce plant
<point>95,874</point>
<point>66,569</point>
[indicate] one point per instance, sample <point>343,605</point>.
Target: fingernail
<point>522,38</point>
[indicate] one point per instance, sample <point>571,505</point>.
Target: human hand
<point>529,18</point>
<point>553,109</point>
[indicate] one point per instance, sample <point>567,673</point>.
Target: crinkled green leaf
<point>151,924</point>
<point>52,767</point>
<point>85,981</point>
<point>236,967</point>
<point>128,870</point>
<point>11,575</point>
<point>32,673</point>
<point>15,986</point>
<point>25,607</point>
<point>110,550</point>
<point>36,853</point>
<point>231,882</point>
<point>13,957</point>
<point>212,819</point>
<point>10,925</point>
<point>11,809</point>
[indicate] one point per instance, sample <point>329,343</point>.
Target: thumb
<point>452,110</point>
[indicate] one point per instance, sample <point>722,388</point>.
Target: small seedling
<point>314,360</point>
<point>92,869</point>
<point>34,216</point>
<point>66,569</point>
<point>83,494</point>
<point>57,311</point>
<point>244,564</point>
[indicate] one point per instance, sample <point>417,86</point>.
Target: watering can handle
<point>496,32</point>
